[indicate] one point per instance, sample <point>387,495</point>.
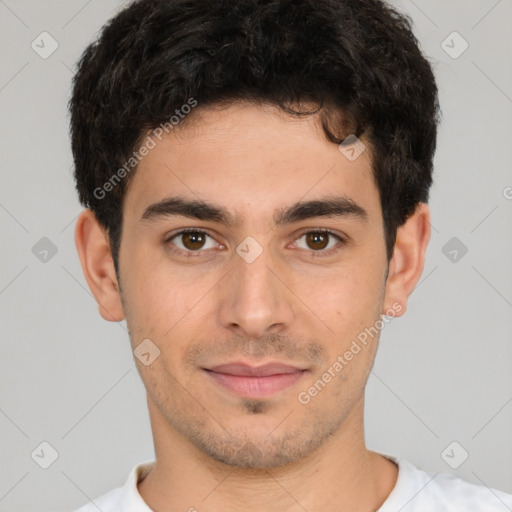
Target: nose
<point>255,298</point>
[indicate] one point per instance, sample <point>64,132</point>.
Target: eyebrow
<point>334,206</point>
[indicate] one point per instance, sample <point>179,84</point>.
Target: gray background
<point>443,372</point>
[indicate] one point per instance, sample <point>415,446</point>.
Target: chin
<point>258,448</point>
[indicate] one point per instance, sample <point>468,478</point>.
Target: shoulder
<point>462,495</point>
<point>417,491</point>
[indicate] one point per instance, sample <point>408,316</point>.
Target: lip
<point>243,369</point>
<point>255,381</point>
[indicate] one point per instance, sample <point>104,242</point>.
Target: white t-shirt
<point>415,491</point>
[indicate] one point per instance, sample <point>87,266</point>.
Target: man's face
<point>226,304</point>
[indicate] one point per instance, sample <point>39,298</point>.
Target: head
<point>237,116</point>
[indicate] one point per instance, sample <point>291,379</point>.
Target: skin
<point>289,305</point>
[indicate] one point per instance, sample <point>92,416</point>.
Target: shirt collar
<point>131,500</point>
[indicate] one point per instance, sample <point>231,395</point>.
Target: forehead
<point>249,160</point>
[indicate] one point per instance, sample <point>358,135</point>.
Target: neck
<point>341,475</point>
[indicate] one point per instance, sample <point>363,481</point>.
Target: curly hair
<point>356,61</point>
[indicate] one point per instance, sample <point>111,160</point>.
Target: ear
<point>97,265</point>
<point>406,265</point>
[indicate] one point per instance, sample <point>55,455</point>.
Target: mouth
<point>255,381</point>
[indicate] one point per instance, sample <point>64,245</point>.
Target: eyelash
<point>192,254</point>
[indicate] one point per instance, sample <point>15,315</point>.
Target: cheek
<point>157,290</point>
<point>167,306</point>
<point>347,296</point>
<point>350,305</point>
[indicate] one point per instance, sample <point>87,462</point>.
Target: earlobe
<point>97,265</point>
<point>406,265</point>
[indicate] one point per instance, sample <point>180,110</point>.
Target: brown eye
<point>188,241</point>
<point>193,240</point>
<point>317,241</point>
<point>320,240</point>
